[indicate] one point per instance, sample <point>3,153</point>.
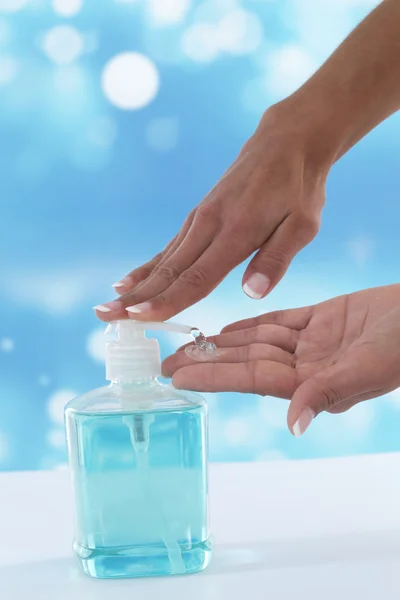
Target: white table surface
<point>313,530</point>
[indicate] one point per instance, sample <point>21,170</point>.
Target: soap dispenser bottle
<point>138,459</point>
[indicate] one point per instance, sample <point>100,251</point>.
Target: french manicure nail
<point>256,285</point>
<point>109,306</point>
<point>139,308</point>
<point>102,308</point>
<point>303,422</point>
<point>124,282</point>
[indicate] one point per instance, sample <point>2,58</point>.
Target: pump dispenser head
<point>130,355</point>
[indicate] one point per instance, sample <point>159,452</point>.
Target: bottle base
<point>143,561</point>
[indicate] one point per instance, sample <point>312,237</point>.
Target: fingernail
<point>109,306</point>
<point>123,283</point>
<point>102,308</point>
<point>256,285</point>
<point>303,422</point>
<point>139,308</point>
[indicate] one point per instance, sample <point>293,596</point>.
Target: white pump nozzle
<point>130,355</point>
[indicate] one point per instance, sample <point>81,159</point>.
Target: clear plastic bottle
<point>138,458</point>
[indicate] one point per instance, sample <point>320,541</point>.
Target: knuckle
<point>130,299</point>
<point>207,211</point>
<point>194,277</point>
<point>309,225</point>
<point>159,255</point>
<point>247,353</point>
<point>167,272</point>
<point>190,217</point>
<point>278,257</point>
<point>253,334</point>
<point>251,376</point>
<point>258,333</point>
<point>253,370</point>
<point>276,317</point>
<point>251,352</point>
<point>256,352</point>
<point>330,397</point>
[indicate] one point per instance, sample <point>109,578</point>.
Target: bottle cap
<point>130,354</point>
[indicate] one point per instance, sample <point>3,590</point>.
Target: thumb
<point>271,262</point>
<point>343,384</point>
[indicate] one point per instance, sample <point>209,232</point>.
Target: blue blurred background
<point>116,117</point>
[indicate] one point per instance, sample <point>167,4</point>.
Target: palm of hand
<point>334,328</point>
<point>348,329</point>
<point>274,354</point>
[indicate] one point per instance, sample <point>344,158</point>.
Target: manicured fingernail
<point>102,308</point>
<point>109,306</point>
<point>303,422</point>
<point>139,308</point>
<point>256,285</point>
<point>125,282</point>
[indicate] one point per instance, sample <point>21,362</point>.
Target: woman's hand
<point>269,202</point>
<point>325,357</point>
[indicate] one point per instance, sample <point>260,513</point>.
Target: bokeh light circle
<point>200,42</point>
<point>63,44</point>
<point>10,6</point>
<point>56,404</point>
<point>67,8</point>
<point>7,344</point>
<point>8,69</point>
<point>240,32</point>
<point>56,438</point>
<point>95,345</point>
<point>130,81</point>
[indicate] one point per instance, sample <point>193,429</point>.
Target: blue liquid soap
<point>138,458</point>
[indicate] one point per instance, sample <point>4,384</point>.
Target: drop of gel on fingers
<point>201,350</point>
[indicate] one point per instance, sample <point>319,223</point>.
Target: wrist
<point>289,122</point>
